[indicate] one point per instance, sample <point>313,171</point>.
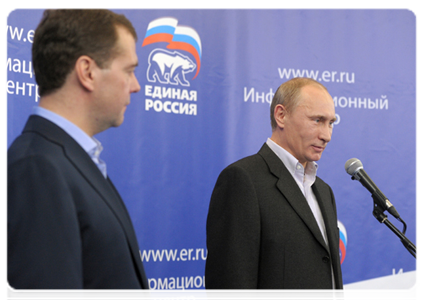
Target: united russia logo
<point>175,61</point>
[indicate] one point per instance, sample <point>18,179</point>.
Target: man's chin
<point>315,157</point>
<point>117,123</point>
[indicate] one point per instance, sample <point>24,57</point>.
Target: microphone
<point>354,167</point>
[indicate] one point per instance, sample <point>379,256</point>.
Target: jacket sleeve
<point>44,248</point>
<point>233,232</point>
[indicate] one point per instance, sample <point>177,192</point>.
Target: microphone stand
<point>378,213</point>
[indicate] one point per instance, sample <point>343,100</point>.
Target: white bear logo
<point>169,67</point>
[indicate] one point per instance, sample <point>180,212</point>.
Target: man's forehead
<point>314,95</point>
<point>318,100</point>
<point>126,45</point>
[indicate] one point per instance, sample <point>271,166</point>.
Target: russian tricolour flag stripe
<point>188,35</point>
<point>168,21</point>
<point>342,241</point>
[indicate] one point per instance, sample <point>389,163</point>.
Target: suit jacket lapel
<point>328,210</point>
<point>87,168</point>
<point>289,188</point>
<point>323,195</point>
<point>79,158</point>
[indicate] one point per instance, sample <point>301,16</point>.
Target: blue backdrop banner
<point>207,78</point>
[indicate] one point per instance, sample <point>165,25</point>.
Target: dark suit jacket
<point>261,232</point>
<point>68,228</point>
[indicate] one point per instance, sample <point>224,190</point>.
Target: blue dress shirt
<point>90,144</point>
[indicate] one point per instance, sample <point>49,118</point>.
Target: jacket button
<point>326,259</point>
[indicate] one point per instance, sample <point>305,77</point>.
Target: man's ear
<point>84,69</point>
<point>280,114</point>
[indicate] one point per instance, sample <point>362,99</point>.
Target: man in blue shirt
<point>68,228</point>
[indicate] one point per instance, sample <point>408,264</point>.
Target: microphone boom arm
<point>378,213</point>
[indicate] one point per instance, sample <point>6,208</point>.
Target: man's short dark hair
<point>288,95</point>
<point>65,35</point>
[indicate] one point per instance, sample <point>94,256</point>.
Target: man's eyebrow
<point>323,117</point>
<point>132,66</point>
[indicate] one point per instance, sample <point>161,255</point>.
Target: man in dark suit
<point>68,228</point>
<point>272,224</point>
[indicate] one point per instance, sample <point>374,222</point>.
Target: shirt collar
<point>290,162</point>
<point>89,144</point>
